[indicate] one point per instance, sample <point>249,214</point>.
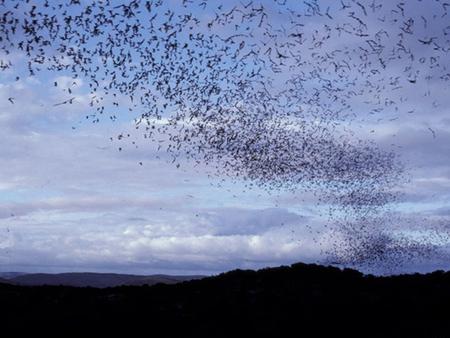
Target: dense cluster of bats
<point>266,91</point>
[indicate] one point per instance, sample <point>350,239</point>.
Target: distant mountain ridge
<point>10,274</point>
<point>90,279</point>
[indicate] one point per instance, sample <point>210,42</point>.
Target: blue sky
<point>70,201</point>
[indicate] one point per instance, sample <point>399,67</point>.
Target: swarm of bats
<point>267,91</point>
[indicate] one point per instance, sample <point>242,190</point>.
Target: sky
<point>71,201</point>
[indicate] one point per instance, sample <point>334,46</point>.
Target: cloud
<point>80,204</point>
<point>244,221</point>
<point>177,242</point>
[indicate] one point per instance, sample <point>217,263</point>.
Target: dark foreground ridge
<point>299,299</point>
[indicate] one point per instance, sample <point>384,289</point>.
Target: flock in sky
<point>268,92</point>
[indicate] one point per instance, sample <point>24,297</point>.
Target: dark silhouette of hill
<point>299,300</point>
<point>98,280</point>
<point>5,281</point>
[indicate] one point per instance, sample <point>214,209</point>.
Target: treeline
<point>300,300</point>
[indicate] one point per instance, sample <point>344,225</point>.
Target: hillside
<point>98,280</point>
<point>275,301</point>
<point>4,281</point>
